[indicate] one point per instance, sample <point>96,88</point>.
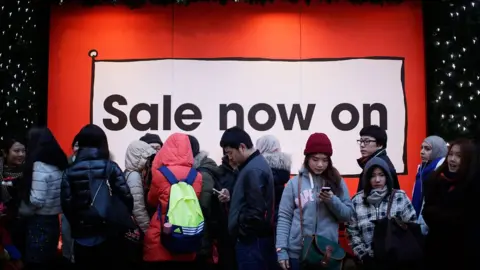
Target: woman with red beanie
<point>313,203</point>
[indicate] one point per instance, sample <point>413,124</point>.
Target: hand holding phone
<point>326,194</point>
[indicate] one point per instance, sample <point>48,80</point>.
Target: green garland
<point>139,3</point>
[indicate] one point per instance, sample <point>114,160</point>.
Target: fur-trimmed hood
<point>278,160</point>
<point>202,160</point>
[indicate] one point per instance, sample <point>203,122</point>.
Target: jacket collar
<point>89,154</point>
<point>252,156</point>
<point>363,160</point>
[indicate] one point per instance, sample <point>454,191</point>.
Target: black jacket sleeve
<point>252,216</point>
<point>396,184</point>
<point>119,186</point>
<point>66,196</point>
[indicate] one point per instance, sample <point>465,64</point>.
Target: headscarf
<point>268,144</point>
<point>439,147</point>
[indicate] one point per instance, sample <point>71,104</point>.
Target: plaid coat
<point>360,229</point>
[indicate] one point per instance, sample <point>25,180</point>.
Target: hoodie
<point>361,227</point>
<point>135,159</point>
<point>381,153</point>
<point>320,218</point>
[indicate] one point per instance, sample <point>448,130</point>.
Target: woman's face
<point>425,152</point>
<point>75,148</point>
<point>156,146</point>
<point>16,154</point>
<point>378,179</point>
<point>318,163</point>
<point>454,158</point>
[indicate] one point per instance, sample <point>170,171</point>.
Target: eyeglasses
<point>365,142</point>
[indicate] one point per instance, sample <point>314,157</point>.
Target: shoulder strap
<point>168,174</point>
<point>192,174</point>
<point>108,172</point>
<point>300,208</point>
<point>127,174</point>
<point>390,202</point>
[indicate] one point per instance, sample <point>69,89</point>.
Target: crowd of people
<point>173,206</point>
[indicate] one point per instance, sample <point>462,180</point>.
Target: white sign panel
<point>289,99</point>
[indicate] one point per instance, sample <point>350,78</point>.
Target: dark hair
<point>367,185</point>
<point>9,141</point>
<point>467,149</point>
<point>41,146</point>
<point>92,136</point>
<point>235,136</point>
<point>331,175</point>
<point>194,144</point>
<point>376,132</point>
<point>75,140</point>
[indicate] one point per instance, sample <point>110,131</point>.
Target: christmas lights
<point>453,71</point>
<point>19,80</point>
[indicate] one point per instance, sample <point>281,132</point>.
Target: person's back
<point>89,170</point>
<point>176,157</point>
<point>136,157</point>
<point>87,194</point>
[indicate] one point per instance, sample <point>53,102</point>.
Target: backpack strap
<point>192,174</point>
<point>168,174</point>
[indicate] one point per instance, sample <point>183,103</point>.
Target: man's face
<point>368,146</point>
<point>236,156</point>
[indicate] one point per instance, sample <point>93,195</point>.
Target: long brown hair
<point>331,175</point>
<point>467,150</point>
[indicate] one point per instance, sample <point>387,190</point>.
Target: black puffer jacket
<point>80,183</point>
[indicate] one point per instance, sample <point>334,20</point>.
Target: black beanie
<point>194,144</point>
<point>151,138</point>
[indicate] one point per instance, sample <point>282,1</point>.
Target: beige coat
<point>135,159</point>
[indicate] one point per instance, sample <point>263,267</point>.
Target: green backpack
<point>183,213</point>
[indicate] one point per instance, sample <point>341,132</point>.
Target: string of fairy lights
<point>454,54</point>
<point>18,94</point>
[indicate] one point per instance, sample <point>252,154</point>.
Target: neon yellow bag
<point>183,213</point>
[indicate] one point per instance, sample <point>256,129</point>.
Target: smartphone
<point>216,191</point>
<point>326,189</point>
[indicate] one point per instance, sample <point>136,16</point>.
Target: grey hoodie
<point>326,216</point>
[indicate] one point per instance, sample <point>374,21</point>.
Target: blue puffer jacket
<point>79,185</point>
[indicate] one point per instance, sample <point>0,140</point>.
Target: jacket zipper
<point>377,212</point>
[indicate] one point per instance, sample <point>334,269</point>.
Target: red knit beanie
<point>318,143</point>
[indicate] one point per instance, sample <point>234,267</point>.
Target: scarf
<point>8,176</point>
<point>424,172</point>
<point>376,195</point>
<point>451,179</point>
